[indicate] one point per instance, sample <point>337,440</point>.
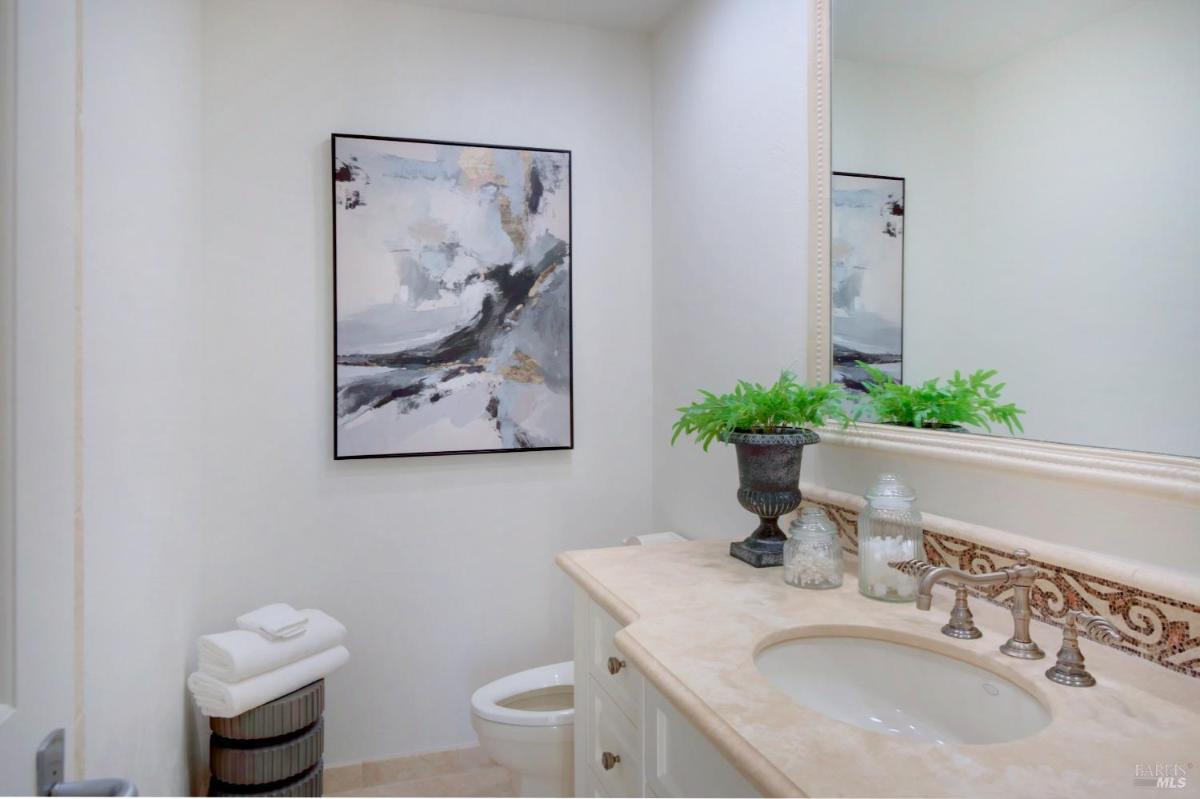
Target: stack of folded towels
<point>275,650</point>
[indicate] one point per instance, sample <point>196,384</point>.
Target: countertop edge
<point>624,614</point>
<point>750,763</point>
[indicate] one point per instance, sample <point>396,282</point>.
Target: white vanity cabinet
<point>629,739</point>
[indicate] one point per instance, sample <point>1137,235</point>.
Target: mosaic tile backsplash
<point>1157,628</point>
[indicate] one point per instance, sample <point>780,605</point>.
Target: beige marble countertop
<point>696,617</point>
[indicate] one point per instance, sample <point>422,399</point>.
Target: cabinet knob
<point>615,665</point>
<point>608,760</point>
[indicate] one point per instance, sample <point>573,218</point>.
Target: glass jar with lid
<point>812,555</point>
<point>889,529</point>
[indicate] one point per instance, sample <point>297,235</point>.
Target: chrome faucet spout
<point>927,576</point>
<point>940,573</point>
<point>927,581</point>
<point>1020,575</point>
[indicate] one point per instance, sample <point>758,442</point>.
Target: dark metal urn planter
<point>769,476</point>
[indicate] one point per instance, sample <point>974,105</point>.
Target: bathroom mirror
<point>1013,187</point>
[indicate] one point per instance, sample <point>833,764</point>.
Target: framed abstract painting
<point>452,297</point>
<point>867,280</point>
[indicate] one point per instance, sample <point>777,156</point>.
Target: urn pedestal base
<point>758,553</point>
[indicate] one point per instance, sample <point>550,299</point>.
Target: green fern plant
<point>961,400</point>
<point>753,408</point>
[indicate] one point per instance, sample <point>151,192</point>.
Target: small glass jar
<point>889,529</point>
<point>812,556</point>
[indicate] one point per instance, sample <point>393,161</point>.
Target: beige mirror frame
<point>1168,476</point>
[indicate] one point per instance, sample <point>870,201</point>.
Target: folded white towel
<point>239,654</point>
<point>224,699</point>
<point>274,621</point>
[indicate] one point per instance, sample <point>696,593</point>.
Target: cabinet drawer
<point>608,666</point>
<point>680,761</point>
<point>615,755</point>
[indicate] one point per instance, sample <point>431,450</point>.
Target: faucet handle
<point>913,568</point>
<point>1020,565</point>
<point>1097,628</point>
<point>962,623</point>
<point>1069,669</point>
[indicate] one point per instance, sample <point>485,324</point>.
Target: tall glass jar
<point>889,529</point>
<point>812,556</point>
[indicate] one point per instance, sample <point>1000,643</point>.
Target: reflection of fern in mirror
<point>962,400</point>
<point>751,407</point>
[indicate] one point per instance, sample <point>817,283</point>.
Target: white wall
<point>143,384</point>
<point>730,218</point>
<point>208,480</point>
<point>441,568</point>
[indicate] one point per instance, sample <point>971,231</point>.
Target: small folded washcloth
<point>224,700</point>
<point>240,654</point>
<point>274,621</point>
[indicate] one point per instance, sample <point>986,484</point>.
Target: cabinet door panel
<point>680,761</point>
<point>591,786</point>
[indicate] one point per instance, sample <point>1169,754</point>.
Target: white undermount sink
<point>897,689</point>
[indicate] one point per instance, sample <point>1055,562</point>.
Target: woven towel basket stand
<point>271,750</point>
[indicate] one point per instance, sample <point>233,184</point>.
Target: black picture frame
<point>333,140</point>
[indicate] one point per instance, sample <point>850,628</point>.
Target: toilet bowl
<point>526,722</point>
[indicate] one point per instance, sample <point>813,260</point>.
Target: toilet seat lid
<point>485,701</point>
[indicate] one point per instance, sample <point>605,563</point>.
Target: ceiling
<point>631,15</point>
<point>965,36</point>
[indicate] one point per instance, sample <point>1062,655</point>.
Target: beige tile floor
<point>456,772</point>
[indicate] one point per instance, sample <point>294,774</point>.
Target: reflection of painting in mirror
<point>868,275</point>
<point>453,297</point>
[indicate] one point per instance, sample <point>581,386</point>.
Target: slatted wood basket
<point>271,750</point>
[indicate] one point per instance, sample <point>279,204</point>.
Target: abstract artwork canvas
<point>867,259</point>
<point>452,297</point>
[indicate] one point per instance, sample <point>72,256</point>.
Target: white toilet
<point>526,723</point>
